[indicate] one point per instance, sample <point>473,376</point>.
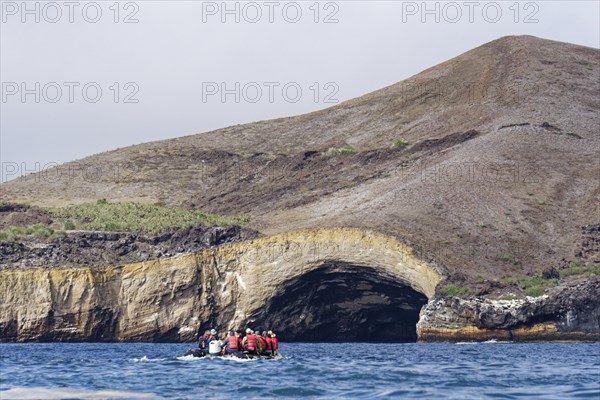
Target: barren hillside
<point>489,162</point>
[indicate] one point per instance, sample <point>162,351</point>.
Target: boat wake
<point>240,357</point>
<point>191,357</point>
<point>145,359</point>
<point>22,393</point>
<point>491,341</point>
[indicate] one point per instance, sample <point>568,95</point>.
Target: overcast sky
<point>162,66</point>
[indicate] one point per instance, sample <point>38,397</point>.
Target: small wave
<point>191,357</point>
<point>187,358</point>
<point>144,359</point>
<point>234,359</point>
<point>240,360</point>
<point>19,392</point>
<point>491,341</point>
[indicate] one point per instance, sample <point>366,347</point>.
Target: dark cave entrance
<point>343,303</point>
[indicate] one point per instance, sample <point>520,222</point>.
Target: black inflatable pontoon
<point>239,354</point>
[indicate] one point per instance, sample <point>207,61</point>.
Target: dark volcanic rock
<point>84,249</point>
<point>550,273</point>
<point>572,312</point>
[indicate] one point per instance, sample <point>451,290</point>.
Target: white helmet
<point>213,332</point>
<point>248,330</point>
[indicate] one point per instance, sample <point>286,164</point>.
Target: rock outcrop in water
<point>571,314</point>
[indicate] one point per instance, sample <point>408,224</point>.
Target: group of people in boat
<point>257,343</point>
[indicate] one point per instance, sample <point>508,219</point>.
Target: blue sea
<point>359,370</point>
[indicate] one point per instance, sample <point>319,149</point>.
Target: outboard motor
<point>214,348</point>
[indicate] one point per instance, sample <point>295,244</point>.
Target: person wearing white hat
<point>249,341</point>
<point>274,343</point>
<point>209,336</point>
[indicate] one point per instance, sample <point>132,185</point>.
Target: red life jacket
<point>251,342</point>
<point>264,343</point>
<point>269,345</point>
<point>274,343</point>
<point>233,342</point>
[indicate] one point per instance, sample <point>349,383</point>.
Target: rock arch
<point>233,285</point>
<point>330,284</point>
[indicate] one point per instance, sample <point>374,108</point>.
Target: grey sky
<point>176,49</point>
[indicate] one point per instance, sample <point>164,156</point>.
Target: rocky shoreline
<point>573,313</point>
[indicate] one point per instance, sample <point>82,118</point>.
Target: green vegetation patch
<point>69,225</point>
<point>339,151</point>
<point>135,217</point>
<point>526,282</point>
<point>399,143</point>
<point>533,286</point>
<point>575,268</point>
<point>16,232</point>
<point>534,291</point>
<point>455,290</point>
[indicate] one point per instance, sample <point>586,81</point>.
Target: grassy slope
<point>103,215</point>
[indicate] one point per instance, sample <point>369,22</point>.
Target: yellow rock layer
<point>165,299</point>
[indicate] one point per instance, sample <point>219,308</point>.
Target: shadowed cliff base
<point>343,303</point>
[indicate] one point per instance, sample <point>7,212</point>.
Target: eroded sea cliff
<point>306,284</point>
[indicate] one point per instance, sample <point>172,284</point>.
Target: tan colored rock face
<point>267,263</point>
<point>143,301</point>
<point>166,299</point>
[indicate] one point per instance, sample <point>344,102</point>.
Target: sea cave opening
<point>339,302</point>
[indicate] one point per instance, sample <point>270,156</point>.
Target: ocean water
<point>431,371</point>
